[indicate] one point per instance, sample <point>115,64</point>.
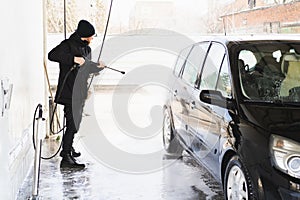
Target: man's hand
<point>79,60</point>
<point>101,65</point>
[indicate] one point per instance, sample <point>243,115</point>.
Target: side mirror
<point>216,98</point>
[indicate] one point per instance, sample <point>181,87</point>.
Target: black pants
<point>73,115</point>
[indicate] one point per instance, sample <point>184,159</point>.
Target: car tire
<point>170,142</point>
<point>237,182</point>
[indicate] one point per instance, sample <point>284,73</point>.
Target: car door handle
<point>175,93</point>
<point>193,104</point>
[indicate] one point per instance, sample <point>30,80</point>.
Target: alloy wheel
<point>237,188</point>
<point>167,132</point>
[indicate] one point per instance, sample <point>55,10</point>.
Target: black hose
<point>51,122</point>
<point>105,31</point>
<point>52,117</point>
<point>103,40</point>
<point>52,156</point>
<point>55,106</point>
<point>33,125</point>
<point>33,133</point>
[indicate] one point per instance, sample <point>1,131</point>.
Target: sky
<point>122,8</point>
<point>186,14</point>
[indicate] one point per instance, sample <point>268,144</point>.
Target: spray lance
<point>102,45</point>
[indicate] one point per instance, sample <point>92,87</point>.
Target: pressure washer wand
<point>122,72</point>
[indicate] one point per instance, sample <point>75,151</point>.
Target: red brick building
<point>261,17</point>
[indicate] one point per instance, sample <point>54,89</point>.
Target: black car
<point>234,105</point>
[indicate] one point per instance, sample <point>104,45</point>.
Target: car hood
<point>280,120</point>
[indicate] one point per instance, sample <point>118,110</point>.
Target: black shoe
<point>74,153</point>
<point>69,162</point>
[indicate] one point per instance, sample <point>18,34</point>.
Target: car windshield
<point>270,71</point>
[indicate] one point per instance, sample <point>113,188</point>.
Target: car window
<point>194,63</point>
<point>224,83</point>
<point>269,71</point>
<point>181,59</point>
<point>212,66</point>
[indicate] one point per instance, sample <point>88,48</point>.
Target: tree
<point>55,16</point>
<point>95,13</point>
<point>99,15</point>
<point>212,20</point>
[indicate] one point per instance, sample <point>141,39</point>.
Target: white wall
<point>21,61</point>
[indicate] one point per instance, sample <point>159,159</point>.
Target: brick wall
<point>278,19</point>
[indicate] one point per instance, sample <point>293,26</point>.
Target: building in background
<point>217,16</point>
<point>261,16</point>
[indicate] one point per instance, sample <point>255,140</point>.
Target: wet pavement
<point>178,179</point>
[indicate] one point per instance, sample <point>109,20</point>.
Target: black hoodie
<point>64,54</point>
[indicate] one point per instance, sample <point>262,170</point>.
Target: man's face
<point>88,39</point>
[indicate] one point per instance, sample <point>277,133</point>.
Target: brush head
<point>122,72</point>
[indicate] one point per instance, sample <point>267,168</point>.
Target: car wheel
<point>170,142</point>
<point>237,183</point>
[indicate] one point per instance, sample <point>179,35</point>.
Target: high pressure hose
<point>39,107</point>
<point>105,31</point>
<point>103,39</point>
<point>55,106</point>
<point>52,117</point>
<point>36,109</point>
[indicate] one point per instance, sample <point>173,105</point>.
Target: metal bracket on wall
<point>5,95</point>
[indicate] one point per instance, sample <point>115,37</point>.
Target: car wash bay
<point>176,179</point>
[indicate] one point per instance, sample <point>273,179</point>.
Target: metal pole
<point>37,159</point>
<point>37,156</point>
<point>45,58</point>
<point>65,19</point>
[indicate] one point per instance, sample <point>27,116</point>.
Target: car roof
<point>240,38</point>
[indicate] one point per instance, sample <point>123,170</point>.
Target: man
<point>74,58</point>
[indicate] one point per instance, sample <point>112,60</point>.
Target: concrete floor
<point>174,179</point>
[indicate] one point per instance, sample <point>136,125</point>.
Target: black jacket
<point>75,86</point>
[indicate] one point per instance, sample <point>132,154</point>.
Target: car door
<point>189,76</point>
<point>206,120</point>
<point>177,93</point>
<point>184,87</point>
